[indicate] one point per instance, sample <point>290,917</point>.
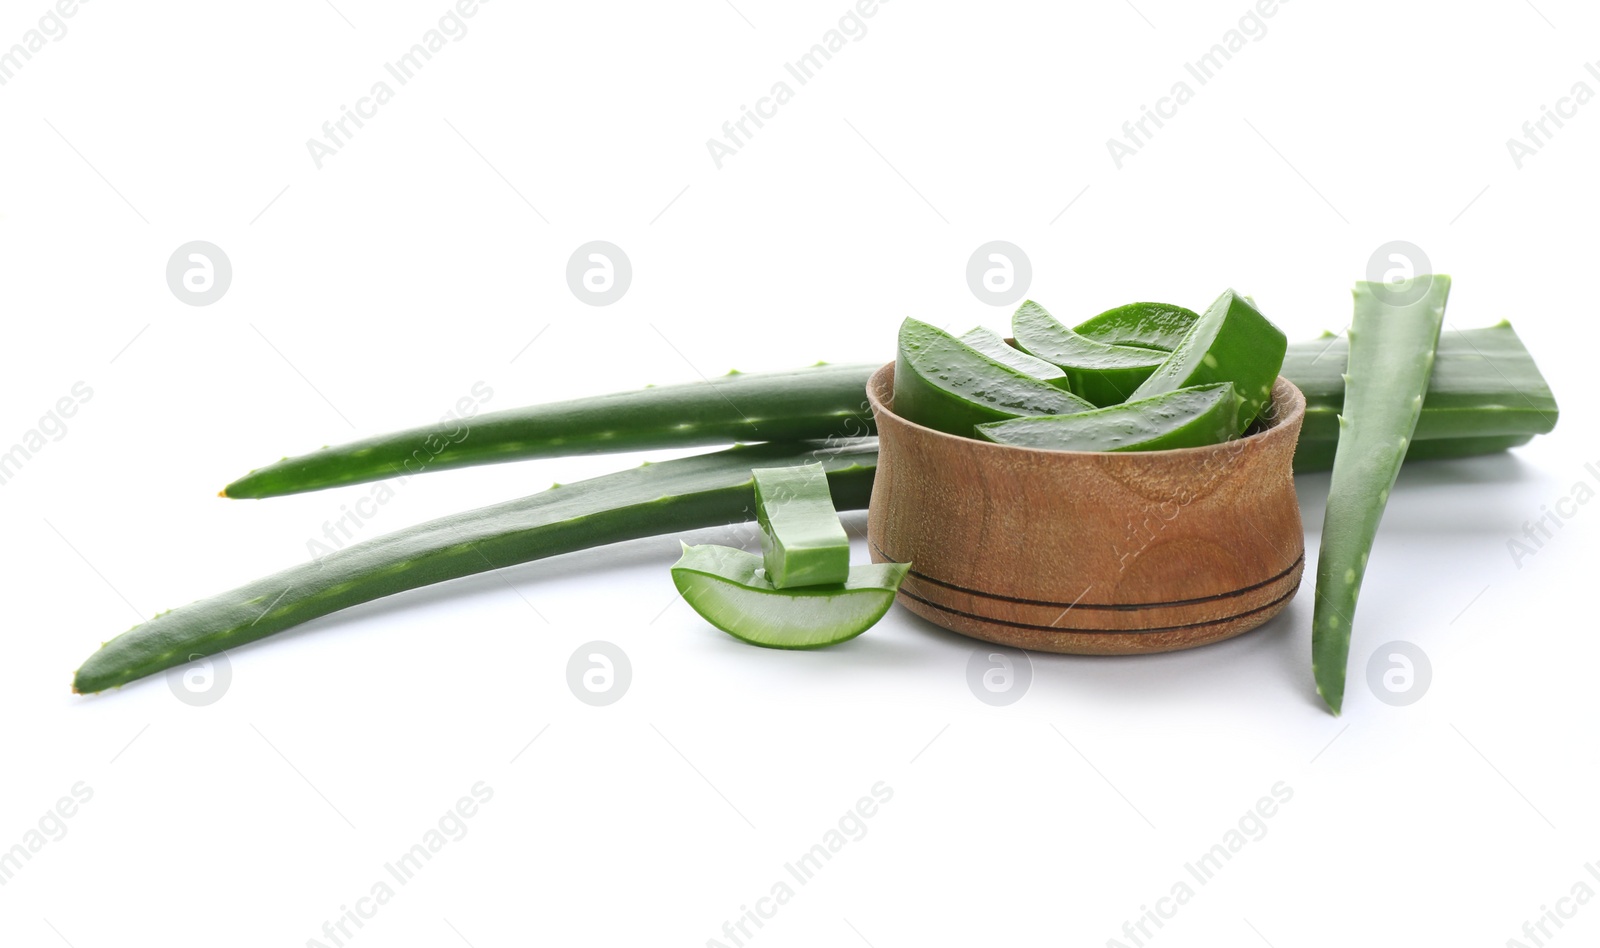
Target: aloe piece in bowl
<point>1187,418</point>
<point>989,342</point>
<point>1103,374</point>
<point>1148,325</point>
<point>942,383</point>
<point>1230,342</point>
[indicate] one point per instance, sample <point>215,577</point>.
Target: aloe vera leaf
<point>942,383</point>
<point>1393,343</point>
<point>665,497</point>
<point>802,541</point>
<point>1230,342</point>
<point>1158,326</point>
<point>820,402</point>
<point>725,587</point>
<point>1186,418</point>
<point>1484,383</point>
<point>1314,455</point>
<point>990,343</point>
<point>832,400</point>
<point>1103,374</point>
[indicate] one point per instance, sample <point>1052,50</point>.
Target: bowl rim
<point>1282,421</point>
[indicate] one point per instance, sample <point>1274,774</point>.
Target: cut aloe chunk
<point>1230,342</point>
<point>729,591</point>
<point>1187,418</point>
<point>802,541</point>
<point>1393,341</point>
<point>989,342</point>
<point>1485,383</point>
<point>941,382</point>
<point>1100,373</point>
<point>1150,325</point>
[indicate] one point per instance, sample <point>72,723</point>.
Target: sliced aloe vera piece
<point>1484,383</point>
<point>802,541</point>
<point>1187,418</point>
<point>1149,325</point>
<point>1230,342</point>
<point>990,343</point>
<point>1393,341</point>
<point>1100,373</point>
<point>1311,456</point>
<point>728,589</point>
<point>941,382</point>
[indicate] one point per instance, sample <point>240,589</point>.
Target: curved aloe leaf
<point>1393,340</point>
<point>665,497</point>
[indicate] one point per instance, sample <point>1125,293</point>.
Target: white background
<point>422,258</point>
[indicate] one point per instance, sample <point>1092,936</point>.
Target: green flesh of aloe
<point>1393,340</point>
<point>989,342</point>
<point>665,497</point>
<point>942,383</point>
<point>727,588</point>
<point>1230,342</point>
<point>1186,418</point>
<point>1160,326</point>
<point>1101,374</point>
<point>802,541</point>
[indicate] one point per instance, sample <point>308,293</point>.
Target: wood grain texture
<point>1090,553</point>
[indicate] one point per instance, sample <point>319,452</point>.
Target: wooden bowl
<point>1090,553</point>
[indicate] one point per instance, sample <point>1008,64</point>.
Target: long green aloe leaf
<point>1394,339</point>
<point>1485,383</point>
<point>665,497</point>
<point>824,401</point>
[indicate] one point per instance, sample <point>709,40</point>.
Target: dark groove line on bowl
<point>1110,606</point>
<point>1075,631</point>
